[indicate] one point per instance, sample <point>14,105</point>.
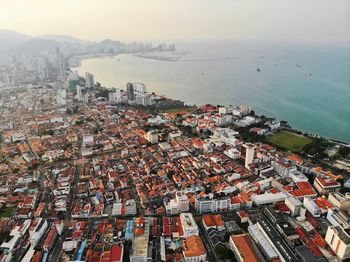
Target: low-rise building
<point>194,250</point>
<point>244,248</point>
<point>339,201</point>
<point>283,168</point>
<point>263,243</point>
<point>338,218</point>
<point>326,185</point>
<point>311,206</point>
<point>139,251</point>
<point>152,137</point>
<point>188,225</point>
<point>268,198</point>
<point>294,205</point>
<point>213,221</point>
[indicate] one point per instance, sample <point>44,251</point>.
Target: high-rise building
<point>79,94</point>
<point>143,99</point>
<point>60,63</point>
<point>115,96</point>
<point>130,91</point>
<point>247,154</point>
<point>61,97</point>
<point>139,87</point>
<point>89,80</point>
<point>42,69</point>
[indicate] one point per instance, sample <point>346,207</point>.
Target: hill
<point>10,39</point>
<point>64,39</point>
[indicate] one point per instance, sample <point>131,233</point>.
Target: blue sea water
<point>318,103</point>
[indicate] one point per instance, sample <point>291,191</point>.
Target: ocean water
<point>226,73</point>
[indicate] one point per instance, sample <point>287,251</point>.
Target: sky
<point>312,21</point>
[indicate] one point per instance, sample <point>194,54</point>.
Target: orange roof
<point>140,220</point>
<point>197,142</point>
<point>304,185</point>
<point>274,190</point>
<point>37,257</point>
<point>139,231</point>
<point>328,182</point>
<point>303,192</point>
<point>327,173</point>
<point>213,220</point>
<point>245,197</point>
<point>296,158</point>
<point>323,203</point>
<point>194,247</point>
<point>23,148</point>
<point>235,200</point>
<point>244,245</point>
<point>255,129</point>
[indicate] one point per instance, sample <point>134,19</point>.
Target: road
<point>207,243</point>
<point>56,253</point>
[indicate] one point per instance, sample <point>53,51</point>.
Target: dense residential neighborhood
<point>96,174</point>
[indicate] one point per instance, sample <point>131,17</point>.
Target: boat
<point>258,69</point>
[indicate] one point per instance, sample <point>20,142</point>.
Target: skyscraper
<point>248,154</point>
<point>89,80</point>
<point>79,94</point>
<point>60,63</point>
<point>130,91</point>
<point>42,69</point>
<point>139,87</point>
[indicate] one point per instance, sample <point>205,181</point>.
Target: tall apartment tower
<point>89,80</point>
<point>79,94</point>
<point>60,63</point>
<point>248,154</point>
<point>130,91</point>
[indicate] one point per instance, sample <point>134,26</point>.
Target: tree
<point>344,151</point>
<point>223,252</point>
<point>79,122</point>
<point>75,109</point>
<point>61,215</point>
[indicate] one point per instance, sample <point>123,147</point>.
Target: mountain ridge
<point>16,42</point>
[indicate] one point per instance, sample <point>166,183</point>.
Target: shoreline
<point>303,131</point>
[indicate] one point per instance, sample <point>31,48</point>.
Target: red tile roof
<point>244,245</point>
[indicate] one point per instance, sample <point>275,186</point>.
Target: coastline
<point>149,56</point>
<point>75,61</point>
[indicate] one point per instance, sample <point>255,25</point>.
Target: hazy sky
<point>316,21</point>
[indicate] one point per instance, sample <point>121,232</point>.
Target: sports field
<point>289,140</point>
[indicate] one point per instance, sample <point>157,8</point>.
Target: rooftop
<point>245,247</point>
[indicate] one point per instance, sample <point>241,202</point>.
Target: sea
<point>306,85</point>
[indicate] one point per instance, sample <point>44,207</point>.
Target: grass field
<point>289,140</point>
<point>7,212</point>
<point>181,110</point>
